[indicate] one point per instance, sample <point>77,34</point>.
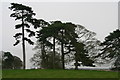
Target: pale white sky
<point>100,17</point>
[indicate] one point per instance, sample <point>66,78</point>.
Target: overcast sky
<point>99,17</point>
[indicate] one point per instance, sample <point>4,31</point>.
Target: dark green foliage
<point>18,26</point>
<point>11,62</point>
<point>25,15</point>
<point>7,60</point>
<point>111,48</point>
<point>17,42</point>
<point>28,40</point>
<point>17,35</point>
<point>82,56</point>
<point>31,33</point>
<point>17,63</point>
<point>46,60</point>
<point>58,31</point>
<point>64,35</point>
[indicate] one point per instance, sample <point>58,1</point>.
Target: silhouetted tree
<point>111,48</point>
<point>89,45</point>
<point>76,35</point>
<point>10,62</point>
<point>25,15</point>
<point>55,29</point>
<point>7,60</point>
<point>68,39</point>
<point>43,35</point>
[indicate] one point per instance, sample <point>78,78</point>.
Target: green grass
<point>48,73</point>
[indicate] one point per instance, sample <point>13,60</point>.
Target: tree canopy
<point>111,49</point>
<point>24,14</point>
<point>65,37</point>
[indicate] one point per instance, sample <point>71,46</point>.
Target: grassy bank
<point>48,73</point>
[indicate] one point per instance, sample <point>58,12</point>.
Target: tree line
<point>58,43</point>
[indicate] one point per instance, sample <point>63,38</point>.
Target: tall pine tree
<point>24,14</point>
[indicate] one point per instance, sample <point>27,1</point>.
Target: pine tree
<point>24,14</point>
<point>111,48</point>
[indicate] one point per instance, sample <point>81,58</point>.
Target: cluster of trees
<point>58,43</point>
<point>72,42</point>
<point>10,62</point>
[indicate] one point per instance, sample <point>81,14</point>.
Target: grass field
<point>47,73</point>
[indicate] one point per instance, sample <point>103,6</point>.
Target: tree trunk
<point>62,51</point>
<point>76,55</point>
<point>77,58</point>
<point>43,54</point>
<point>23,45</point>
<point>76,64</point>
<point>53,52</point>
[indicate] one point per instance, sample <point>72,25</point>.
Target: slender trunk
<point>43,55</point>
<point>62,51</point>
<point>53,52</point>
<point>76,55</point>
<point>76,64</point>
<point>76,61</point>
<point>23,44</point>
